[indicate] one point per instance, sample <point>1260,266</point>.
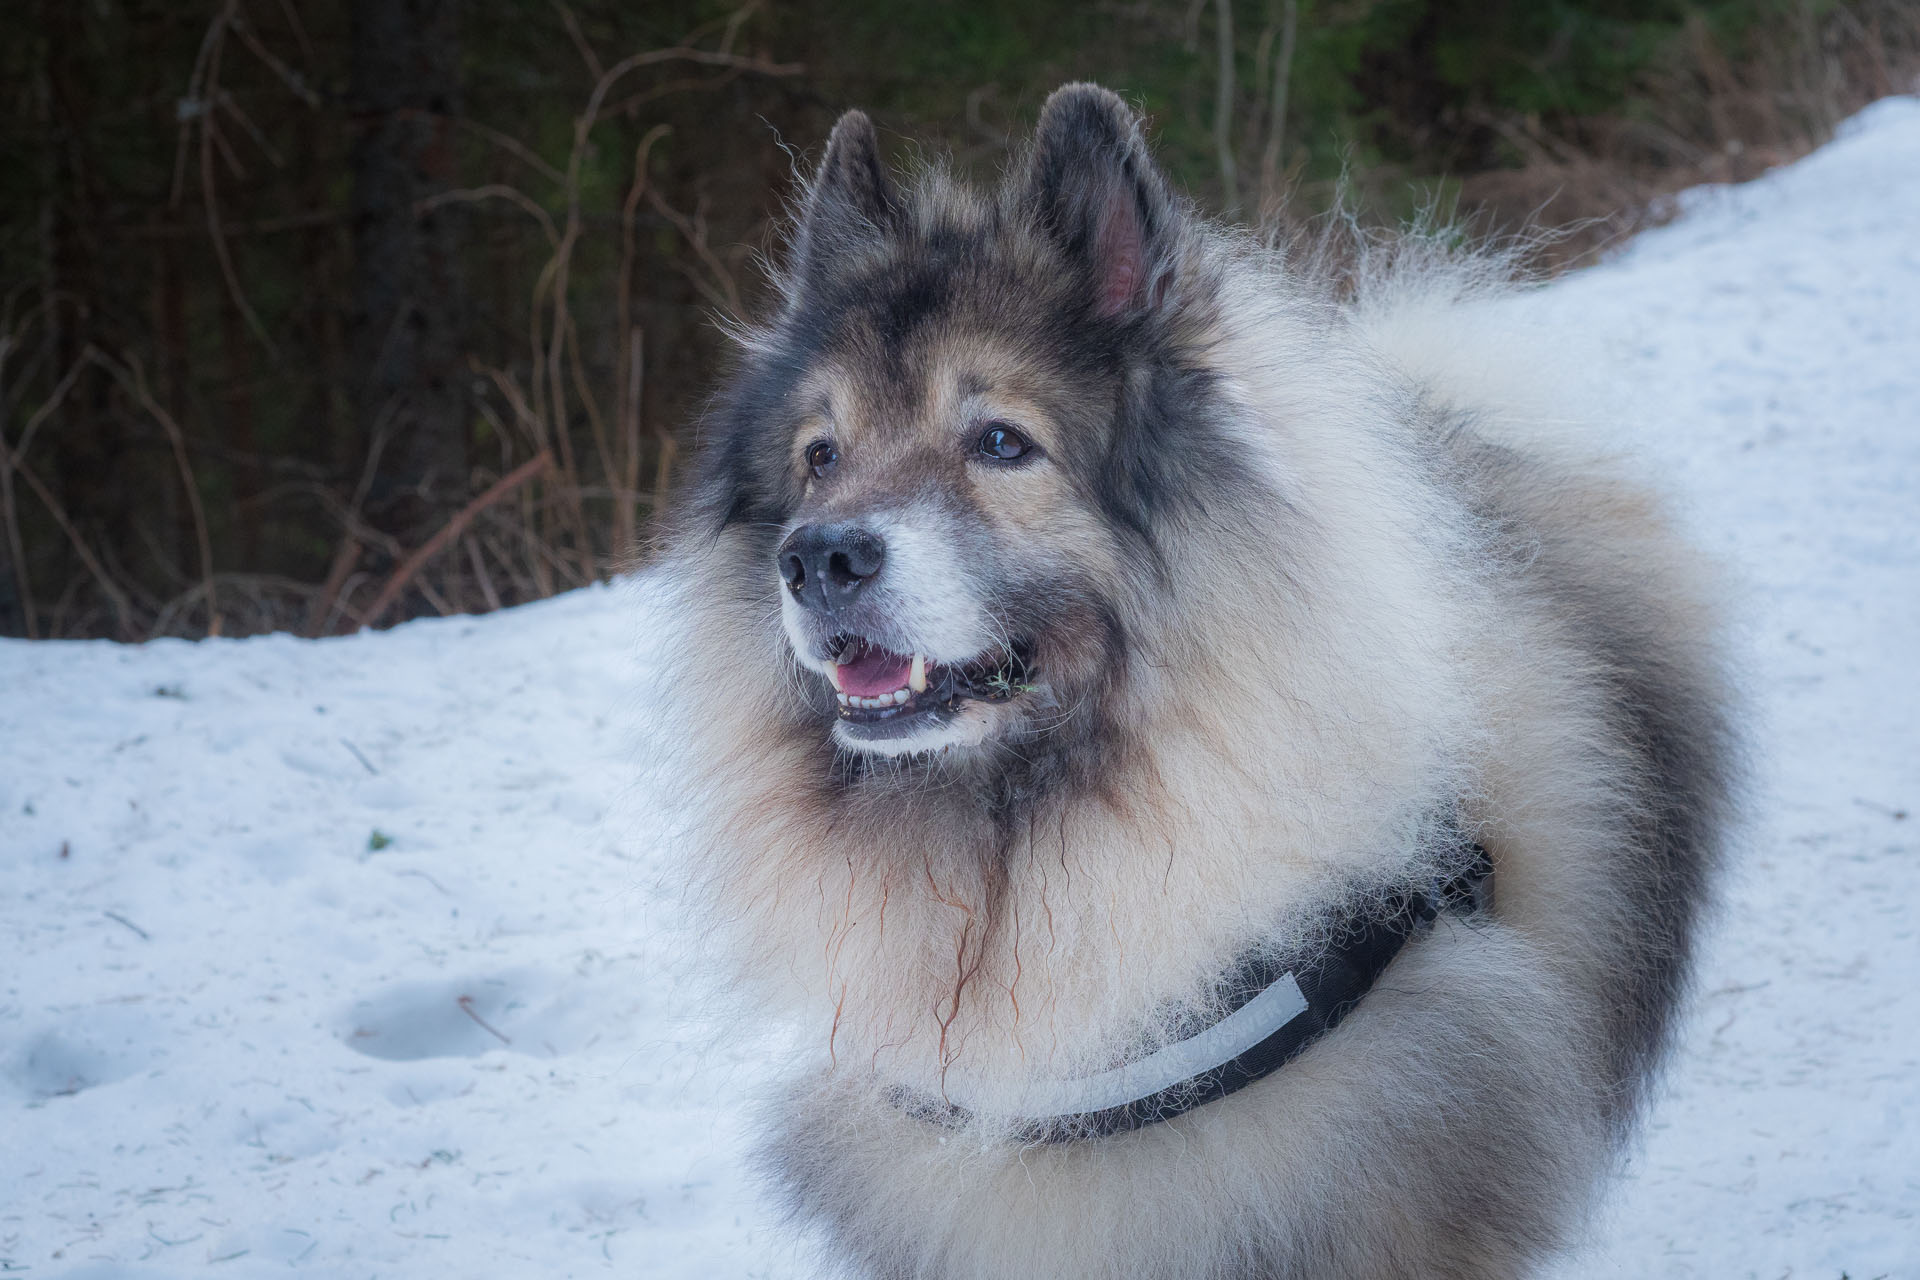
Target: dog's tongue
<point>874,671</point>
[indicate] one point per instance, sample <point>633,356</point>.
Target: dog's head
<point>953,454</point>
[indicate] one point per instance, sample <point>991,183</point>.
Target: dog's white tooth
<point>917,677</point>
<point>842,698</point>
<point>900,695</point>
<point>833,674</point>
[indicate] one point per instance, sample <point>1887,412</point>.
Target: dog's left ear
<point>1090,184</point>
<point>850,202</point>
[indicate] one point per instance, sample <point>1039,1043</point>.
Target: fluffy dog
<point>1220,785</point>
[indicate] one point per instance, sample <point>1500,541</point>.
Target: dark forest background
<point>317,314</point>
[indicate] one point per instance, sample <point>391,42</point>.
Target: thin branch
<point>535,425</point>
<point>466,1007</point>
<point>288,76</point>
<point>595,422</point>
<point>117,918</point>
<point>1278,88</point>
<point>134,379</point>
<point>1224,93</point>
<point>208,94</point>
<point>16,548</point>
<point>494,191</point>
<point>735,22</point>
<point>628,371</point>
<point>653,57</point>
<point>122,606</point>
<point>320,609</point>
<point>16,543</point>
<point>685,84</point>
<point>451,530</point>
<point>235,166</point>
<point>694,229</point>
<point>480,573</point>
<point>292,15</point>
<point>510,144</point>
<point>46,410</point>
<point>253,130</point>
<point>587,55</point>
<point>193,104</point>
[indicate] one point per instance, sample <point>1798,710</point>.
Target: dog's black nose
<point>825,565</point>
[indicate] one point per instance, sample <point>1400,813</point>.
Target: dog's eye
<point>821,455</point>
<point>1002,443</point>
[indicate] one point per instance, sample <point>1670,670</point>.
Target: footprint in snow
<point>83,1053</point>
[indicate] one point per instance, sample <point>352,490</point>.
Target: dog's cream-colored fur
<point>1409,642</point>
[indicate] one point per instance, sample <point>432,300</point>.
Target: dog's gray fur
<point>1313,579</point>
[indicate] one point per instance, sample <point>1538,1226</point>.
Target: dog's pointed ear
<point>1091,185</point>
<point>850,201</point>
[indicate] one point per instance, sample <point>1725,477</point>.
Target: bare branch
<point>511,145</point>
<point>694,229</point>
<point>193,105</point>
<point>292,14</point>
<point>288,76</point>
<point>627,354</point>
<point>46,410</point>
<point>495,191</point>
<point>685,84</point>
<point>253,131</point>
<point>1278,88</point>
<point>452,529</point>
<point>1224,93</point>
<point>735,22</point>
<point>480,573</point>
<point>134,379</point>
<point>320,609</point>
<point>209,92</point>
<point>122,607</point>
<point>587,55</point>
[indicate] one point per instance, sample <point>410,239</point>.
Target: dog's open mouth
<point>882,689</point>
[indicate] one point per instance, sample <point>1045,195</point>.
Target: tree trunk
<point>405,328</point>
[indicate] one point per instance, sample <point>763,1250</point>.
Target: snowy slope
<point>1774,335</point>
<point>333,957</point>
<point>233,1031</point>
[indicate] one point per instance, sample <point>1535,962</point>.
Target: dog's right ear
<point>1090,184</point>
<point>850,203</point>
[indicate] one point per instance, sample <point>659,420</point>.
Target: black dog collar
<point>1276,1007</point>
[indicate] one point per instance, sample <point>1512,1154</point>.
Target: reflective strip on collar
<point>1211,1049</point>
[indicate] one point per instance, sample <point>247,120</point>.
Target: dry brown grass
<point>579,471</point>
<point>1704,117</point>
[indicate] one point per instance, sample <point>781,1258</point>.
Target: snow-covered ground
<point>333,956</point>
